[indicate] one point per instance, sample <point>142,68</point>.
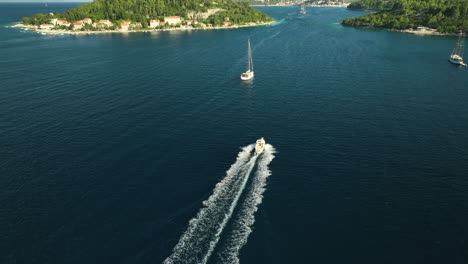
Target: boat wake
<point>198,242</point>
<point>242,223</point>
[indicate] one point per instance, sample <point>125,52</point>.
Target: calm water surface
<point>110,143</point>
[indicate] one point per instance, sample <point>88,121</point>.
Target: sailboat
<point>303,10</point>
<point>249,74</point>
<point>457,54</point>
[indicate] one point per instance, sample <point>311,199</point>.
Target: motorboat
<point>259,146</point>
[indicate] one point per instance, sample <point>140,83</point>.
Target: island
<point>434,17</point>
<point>103,16</point>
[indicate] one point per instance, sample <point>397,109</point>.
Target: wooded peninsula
<point>125,15</point>
<point>442,16</point>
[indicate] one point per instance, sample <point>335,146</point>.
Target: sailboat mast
<point>461,41</point>
<point>458,50</point>
<point>251,63</point>
<point>251,60</point>
<point>461,38</point>
<point>249,56</point>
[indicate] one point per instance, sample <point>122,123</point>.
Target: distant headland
<point>428,17</point>
<point>108,16</point>
<point>314,3</point>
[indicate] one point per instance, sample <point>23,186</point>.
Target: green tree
<point>445,15</point>
<point>238,12</point>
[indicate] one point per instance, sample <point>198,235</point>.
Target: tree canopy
<point>144,10</point>
<point>377,5</point>
<point>444,15</point>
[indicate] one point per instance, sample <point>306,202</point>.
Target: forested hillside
<point>376,5</point>
<point>143,10</point>
<point>448,16</point>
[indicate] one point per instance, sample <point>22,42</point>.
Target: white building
<point>63,23</point>
<point>124,26</point>
<point>88,21</point>
<point>47,26</point>
<point>172,20</point>
<point>54,21</point>
<point>77,25</point>
<point>191,22</point>
<point>106,22</point>
<point>154,23</point>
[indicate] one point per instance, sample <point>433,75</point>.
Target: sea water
<point>111,143</point>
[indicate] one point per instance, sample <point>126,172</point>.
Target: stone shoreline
<point>305,5</point>
<point>423,32</point>
<point>54,32</point>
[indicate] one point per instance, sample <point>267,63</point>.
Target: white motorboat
<point>259,146</point>
<point>249,74</point>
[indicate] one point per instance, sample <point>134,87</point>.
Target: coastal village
<point>56,25</point>
<point>104,25</point>
<point>320,3</point>
<point>326,3</point>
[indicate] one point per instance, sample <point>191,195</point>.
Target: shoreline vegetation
<point>314,3</point>
<point>422,17</point>
<point>422,31</point>
<point>120,16</point>
<point>103,31</point>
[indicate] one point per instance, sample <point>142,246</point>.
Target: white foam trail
<point>241,227</point>
<point>203,232</point>
<point>231,210</point>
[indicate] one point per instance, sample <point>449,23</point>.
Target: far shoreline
<point>423,32</point>
<point>69,32</point>
<point>305,6</point>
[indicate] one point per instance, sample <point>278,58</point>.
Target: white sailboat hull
<point>247,75</point>
<point>456,62</point>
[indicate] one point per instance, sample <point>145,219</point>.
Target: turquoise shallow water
<point>110,143</point>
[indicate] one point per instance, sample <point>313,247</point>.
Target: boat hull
<point>259,146</point>
<point>259,151</point>
<point>456,62</point>
<point>247,76</point>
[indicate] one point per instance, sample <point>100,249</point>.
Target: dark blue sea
<point>110,144</point>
